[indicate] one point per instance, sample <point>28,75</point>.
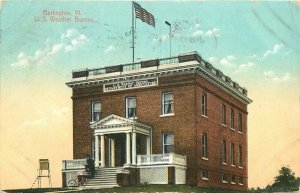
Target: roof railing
<point>182,57</point>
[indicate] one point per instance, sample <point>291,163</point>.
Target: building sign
<point>130,84</point>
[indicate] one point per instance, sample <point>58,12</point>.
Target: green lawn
<point>141,188</point>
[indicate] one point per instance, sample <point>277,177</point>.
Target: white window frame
<point>240,158</point>
<point>232,161</point>
<point>204,104</point>
<point>164,144</point>
<point>240,178</point>
<point>203,176</point>
<point>223,178</point>
<point>223,152</point>
<point>204,152</point>
<point>240,121</point>
<point>223,115</point>
<point>126,106</point>
<point>163,103</point>
<point>232,181</point>
<point>93,111</point>
<point>232,119</point>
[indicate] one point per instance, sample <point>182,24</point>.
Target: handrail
<point>160,159</point>
<point>73,164</point>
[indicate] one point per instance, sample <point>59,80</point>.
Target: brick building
<point>172,120</point>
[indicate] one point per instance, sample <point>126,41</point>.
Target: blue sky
<point>256,43</point>
<point>244,30</point>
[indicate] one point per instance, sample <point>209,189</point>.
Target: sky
<point>256,43</point>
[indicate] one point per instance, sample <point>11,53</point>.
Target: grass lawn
<point>144,189</point>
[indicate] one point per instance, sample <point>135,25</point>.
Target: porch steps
<point>104,177</point>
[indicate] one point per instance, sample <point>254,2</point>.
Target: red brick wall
<point>187,124</point>
<point>216,132</point>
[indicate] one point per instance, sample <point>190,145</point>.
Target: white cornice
<point>172,70</point>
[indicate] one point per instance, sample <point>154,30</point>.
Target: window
<point>130,107</point>
<point>203,104</point>
<point>233,179</point>
<point>232,119</point>
<point>232,154</point>
<point>205,174</point>
<point>223,115</point>
<point>168,103</point>
<point>241,180</point>
<point>224,178</point>
<point>224,151</point>
<point>240,156</point>
<point>240,123</point>
<point>204,145</point>
<point>168,142</point>
<point>96,111</point>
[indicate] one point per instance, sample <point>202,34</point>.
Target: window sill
<point>240,167</point>
<point>232,165</point>
<point>131,118</point>
<point>224,182</point>
<point>240,184</point>
<point>224,164</point>
<point>204,178</point>
<point>205,116</point>
<point>240,132</point>
<point>205,158</point>
<point>167,115</point>
<point>232,182</point>
<point>232,129</point>
<point>224,125</point>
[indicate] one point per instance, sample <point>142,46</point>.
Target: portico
<point>113,131</point>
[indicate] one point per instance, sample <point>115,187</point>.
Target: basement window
<point>204,174</point>
<point>224,178</point>
<point>241,180</point>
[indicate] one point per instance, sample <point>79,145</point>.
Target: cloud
<point>39,122</point>
<point>162,38</point>
<point>276,48</point>
<point>110,48</point>
<point>270,75</point>
<point>215,32</point>
<point>45,116</point>
<point>59,112</point>
<point>230,62</point>
<point>245,66</point>
<point>69,41</point>
<point>186,31</point>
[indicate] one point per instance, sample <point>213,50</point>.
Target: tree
<point>285,181</point>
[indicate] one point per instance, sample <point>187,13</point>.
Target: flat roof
<point>154,67</point>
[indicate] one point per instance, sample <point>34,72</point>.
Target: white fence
<point>73,164</point>
<point>161,159</point>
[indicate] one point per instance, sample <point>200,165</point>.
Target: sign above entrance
<point>130,84</point>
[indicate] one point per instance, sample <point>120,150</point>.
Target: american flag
<point>143,15</point>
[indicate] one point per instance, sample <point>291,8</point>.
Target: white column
<point>128,162</point>
<point>112,153</point>
<point>96,150</point>
<point>148,145</point>
<point>102,151</point>
<point>133,148</point>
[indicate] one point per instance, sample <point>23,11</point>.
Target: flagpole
<point>132,32</point>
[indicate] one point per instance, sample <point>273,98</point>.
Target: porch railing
<point>161,159</point>
<point>73,164</point>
